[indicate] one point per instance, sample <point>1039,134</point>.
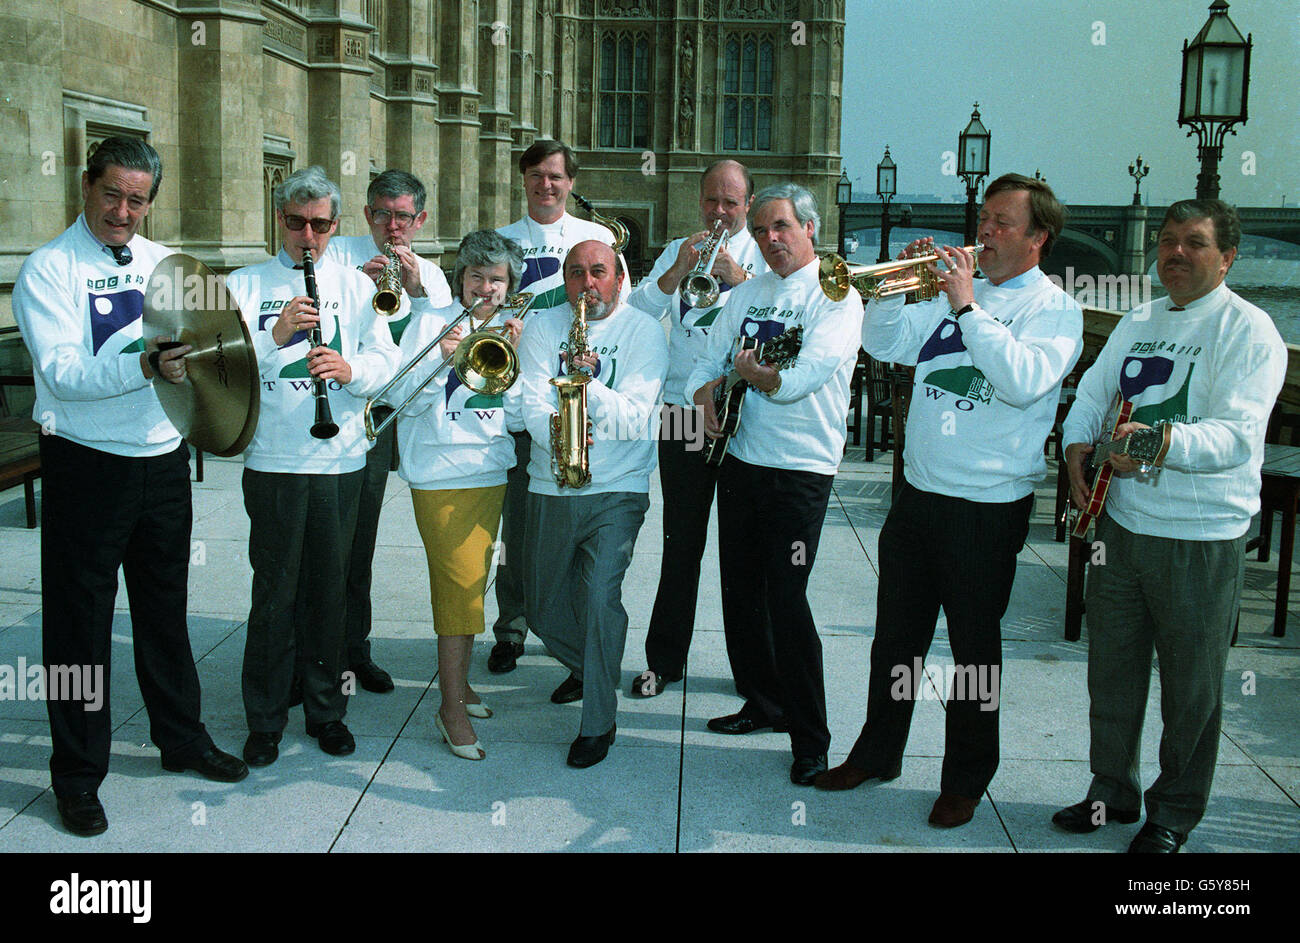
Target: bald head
<point>592,267</point>
<point>725,192</point>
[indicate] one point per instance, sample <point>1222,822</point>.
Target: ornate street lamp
<point>843,197</point>
<point>972,165</point>
<point>1137,172</point>
<point>1216,79</point>
<point>886,187</point>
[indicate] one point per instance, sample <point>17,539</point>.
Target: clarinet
<point>324,427</point>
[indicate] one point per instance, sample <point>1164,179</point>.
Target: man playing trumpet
<point>394,213</point>
<point>301,492</point>
<point>581,538</point>
<point>990,358</point>
<point>688,482</point>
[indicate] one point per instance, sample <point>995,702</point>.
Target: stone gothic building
<point>236,94</point>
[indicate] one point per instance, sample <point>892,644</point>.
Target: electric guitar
<point>1148,447</point>
<point>729,395</point>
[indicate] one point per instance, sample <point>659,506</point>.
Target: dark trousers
<point>374,479</point>
<point>937,551</point>
<point>300,535</point>
<point>511,624</point>
<point>100,512</point>
<point>688,484</point>
<point>769,525</point>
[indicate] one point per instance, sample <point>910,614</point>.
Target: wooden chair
<point>856,383</point>
<point>880,405</point>
<point>1278,494</point>
<point>900,396</point>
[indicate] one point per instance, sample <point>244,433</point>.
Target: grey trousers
<point>1180,598</point>
<point>582,545</point>
<point>300,538</point>
<point>511,625</point>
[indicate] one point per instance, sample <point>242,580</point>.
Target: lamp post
<point>886,187</point>
<point>1137,172</point>
<point>972,165</point>
<point>843,197</point>
<point>1216,79</point>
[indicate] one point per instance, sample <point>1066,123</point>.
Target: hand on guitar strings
<point>1080,492</point>
<point>704,399</point>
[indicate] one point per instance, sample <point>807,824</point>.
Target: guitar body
<point>729,395</point>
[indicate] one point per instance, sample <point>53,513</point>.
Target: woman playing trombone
<point>456,448</point>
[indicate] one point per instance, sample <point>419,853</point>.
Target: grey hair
<point>801,198</point>
<point>486,248</point>
<point>303,186</point>
<point>395,184</point>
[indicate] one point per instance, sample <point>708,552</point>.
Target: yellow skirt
<point>459,530</point>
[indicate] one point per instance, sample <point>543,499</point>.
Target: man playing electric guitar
<point>1211,365</point>
<point>774,484</point>
<point>729,396</point>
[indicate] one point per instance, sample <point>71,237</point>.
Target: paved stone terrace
<point>668,784</point>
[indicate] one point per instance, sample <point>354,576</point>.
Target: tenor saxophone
<point>569,459</point>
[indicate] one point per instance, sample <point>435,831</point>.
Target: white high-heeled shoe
<point>480,710</point>
<point>471,751</point>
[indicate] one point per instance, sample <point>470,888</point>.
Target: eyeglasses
<point>381,217</point>
<point>296,224</point>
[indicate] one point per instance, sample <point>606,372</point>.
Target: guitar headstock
<point>781,351</point>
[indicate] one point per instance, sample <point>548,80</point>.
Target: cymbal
<point>216,407</point>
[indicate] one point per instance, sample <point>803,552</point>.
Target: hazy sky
<point>1073,89</point>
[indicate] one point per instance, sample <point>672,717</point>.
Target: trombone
<point>884,279</point>
<point>485,361</point>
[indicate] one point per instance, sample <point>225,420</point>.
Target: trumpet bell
<point>700,290</point>
<point>486,362</point>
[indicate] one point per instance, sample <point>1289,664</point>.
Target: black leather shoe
<point>1084,818</point>
<point>588,751</point>
<point>743,723</point>
<point>570,690</point>
<point>847,776</point>
<point>804,769</point>
<point>371,677</point>
<point>503,656</point>
<point>333,736</point>
<point>82,814</point>
<point>1156,839</point>
<point>214,765</point>
<point>261,749</point>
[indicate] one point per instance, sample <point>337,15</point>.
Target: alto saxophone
<point>388,289</point>
<point>569,460</point>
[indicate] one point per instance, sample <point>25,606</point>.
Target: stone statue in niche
<point>685,121</point>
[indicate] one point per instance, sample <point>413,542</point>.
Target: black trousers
<point>374,480</point>
<point>300,538</point>
<point>938,551</point>
<point>99,512</point>
<point>687,483</point>
<point>769,525</point>
<point>511,624</point>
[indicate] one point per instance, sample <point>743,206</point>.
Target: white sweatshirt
<point>801,426</point>
<point>449,436</point>
<point>545,247</point>
<point>1214,371</point>
<point>688,328</point>
<point>622,398</point>
<point>81,315</point>
<point>283,441</point>
<point>356,251</point>
<point>987,388</point>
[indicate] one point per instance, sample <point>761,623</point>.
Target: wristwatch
<point>970,307</point>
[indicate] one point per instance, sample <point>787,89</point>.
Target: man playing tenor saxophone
<point>581,534</point>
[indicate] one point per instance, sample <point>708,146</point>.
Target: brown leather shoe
<point>951,810</point>
<point>846,776</point>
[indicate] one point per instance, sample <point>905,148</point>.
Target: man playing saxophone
<point>301,492</point>
<point>581,538</point>
<point>394,213</point>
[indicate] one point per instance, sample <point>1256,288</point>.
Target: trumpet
<point>388,289</point>
<point>884,279</point>
<point>698,288</point>
<point>324,427</point>
<point>484,360</point>
<point>569,460</point>
<point>616,228</point>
